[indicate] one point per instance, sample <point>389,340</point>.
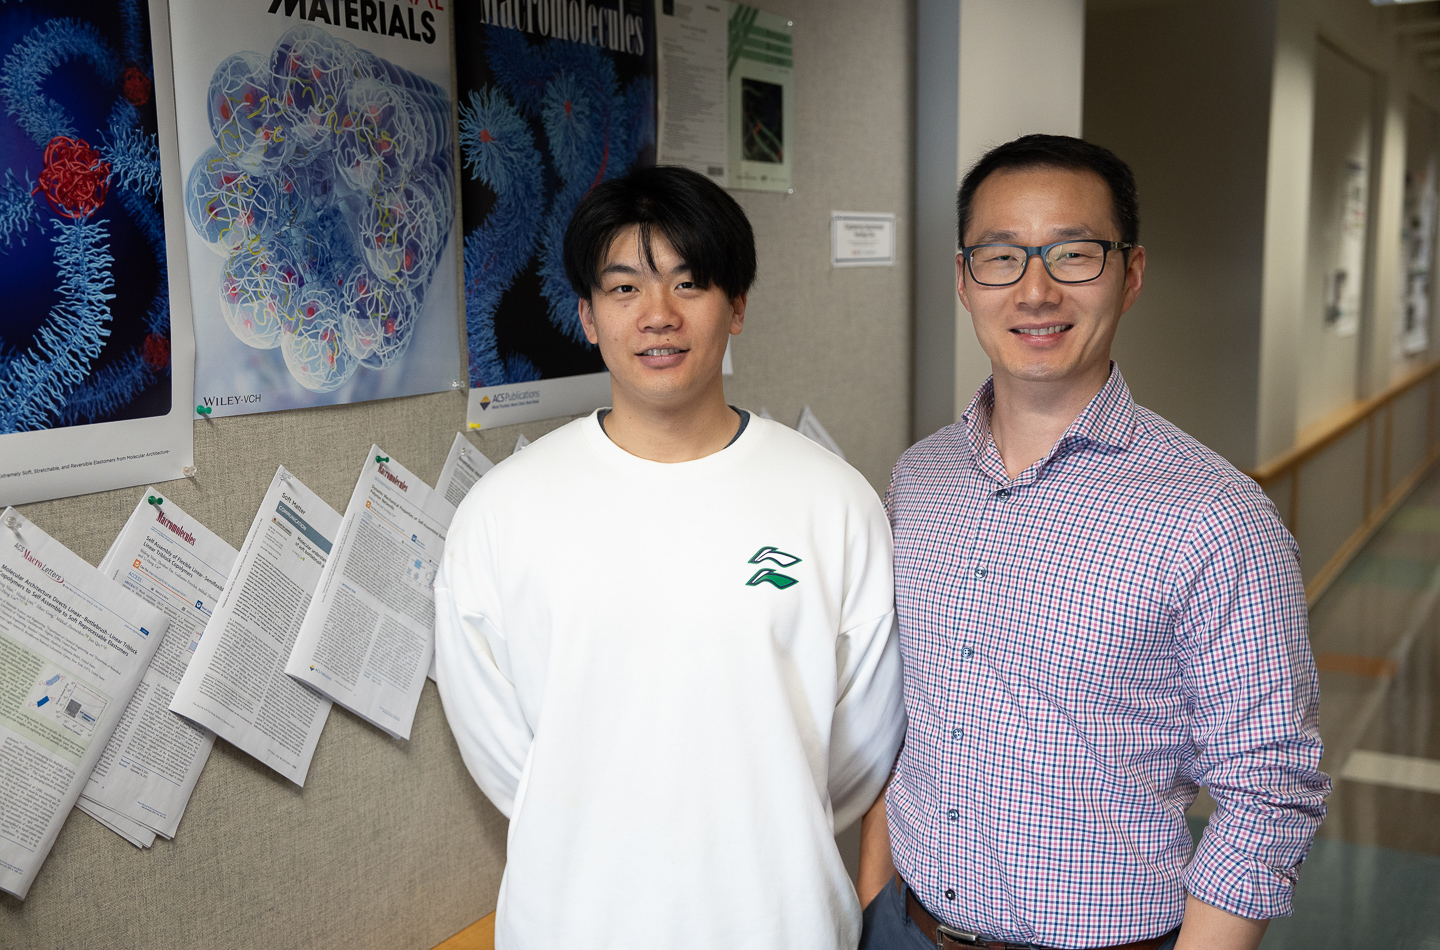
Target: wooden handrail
<point>1343,423</point>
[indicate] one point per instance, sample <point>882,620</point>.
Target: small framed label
<point>862,240</point>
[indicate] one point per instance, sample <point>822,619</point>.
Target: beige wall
<point>1176,90</point>
<point>1341,152</point>
<point>1291,95</point>
<point>972,97</point>
<point>390,845</point>
<point>999,103</point>
<point>1422,158</point>
<point>1215,106</point>
<point>1295,393</point>
<point>838,339</point>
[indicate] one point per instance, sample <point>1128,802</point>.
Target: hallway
<point>1373,876</point>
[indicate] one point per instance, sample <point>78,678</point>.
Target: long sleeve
<point>1250,674</point>
<point>869,722</point>
<point>472,662</point>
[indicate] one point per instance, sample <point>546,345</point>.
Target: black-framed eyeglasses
<point>1068,262</point>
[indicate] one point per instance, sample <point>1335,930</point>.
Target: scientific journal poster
<point>556,96</point>
<point>95,346</point>
<point>761,95</point>
<point>317,148</point>
<point>727,93</point>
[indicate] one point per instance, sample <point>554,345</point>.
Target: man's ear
<point>587,322</point>
<point>960,280</point>
<point>1134,277</point>
<point>737,316</point>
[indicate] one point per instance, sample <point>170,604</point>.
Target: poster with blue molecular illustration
<point>95,354</point>
<point>556,96</point>
<point>317,144</point>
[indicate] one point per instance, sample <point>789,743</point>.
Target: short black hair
<point>706,226</point>
<point>1056,151</point>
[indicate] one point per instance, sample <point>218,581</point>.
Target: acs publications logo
<point>529,397</point>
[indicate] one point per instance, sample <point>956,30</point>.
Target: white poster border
<point>491,407</point>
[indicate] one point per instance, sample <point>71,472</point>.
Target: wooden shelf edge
<point>478,936</point>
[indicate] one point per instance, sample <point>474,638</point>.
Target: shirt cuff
<point>1236,883</point>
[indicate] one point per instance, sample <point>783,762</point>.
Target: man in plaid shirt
<point>1098,616</point>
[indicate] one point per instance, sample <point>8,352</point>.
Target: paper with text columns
<point>73,646</point>
<point>368,636</point>
<point>235,684</point>
<point>177,565</point>
<point>141,836</point>
<point>464,466</point>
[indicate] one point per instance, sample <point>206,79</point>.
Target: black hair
<point>1056,151</point>
<point>705,225</point>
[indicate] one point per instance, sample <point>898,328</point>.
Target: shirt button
<point>981,572</point>
<point>949,893</point>
<point>966,653</point>
<point>953,814</point>
<point>956,733</point>
<point>1003,493</point>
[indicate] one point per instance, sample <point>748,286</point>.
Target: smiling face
<point>662,338</point>
<point>1039,330</point>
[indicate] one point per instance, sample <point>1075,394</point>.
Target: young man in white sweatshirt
<point>665,631</point>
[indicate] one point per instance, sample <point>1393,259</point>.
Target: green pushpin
<point>382,458</point>
<point>155,500</point>
<point>203,410</point>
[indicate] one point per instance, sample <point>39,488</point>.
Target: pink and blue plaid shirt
<point>1085,645</point>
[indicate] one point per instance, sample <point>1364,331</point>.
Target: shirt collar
<point>1108,421</point>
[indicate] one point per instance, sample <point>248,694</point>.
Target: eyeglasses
<point>1068,262</point>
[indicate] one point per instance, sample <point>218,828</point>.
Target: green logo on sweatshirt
<point>765,575</point>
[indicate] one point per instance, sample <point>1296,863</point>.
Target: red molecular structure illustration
<point>101,346</point>
<point>157,352</point>
<point>74,180</point>
<point>137,86</point>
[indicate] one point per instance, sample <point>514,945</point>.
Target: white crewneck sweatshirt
<point>677,681</point>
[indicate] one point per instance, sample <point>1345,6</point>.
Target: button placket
<point>966,652</point>
<point>977,597</point>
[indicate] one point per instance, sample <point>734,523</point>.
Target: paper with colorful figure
<point>73,647</point>
<point>317,145</point>
<point>148,770</point>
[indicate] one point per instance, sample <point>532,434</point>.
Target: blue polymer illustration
<point>594,130</point>
<point>53,381</point>
<point>328,193</point>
